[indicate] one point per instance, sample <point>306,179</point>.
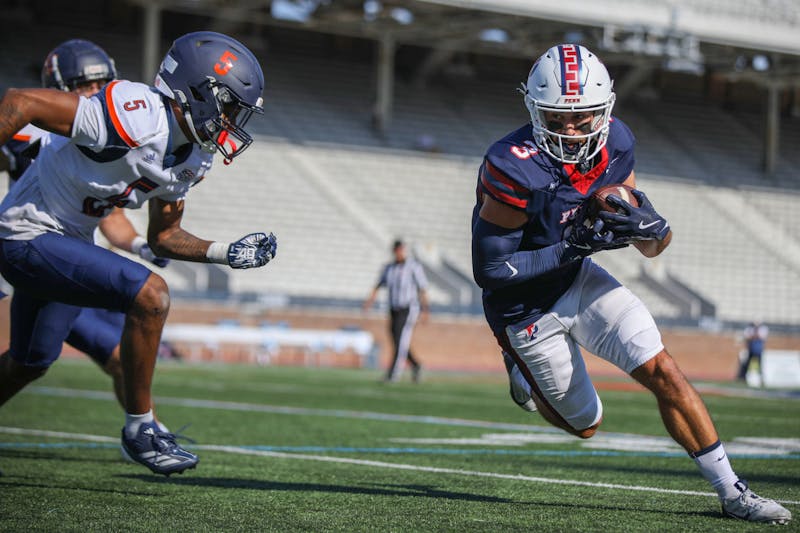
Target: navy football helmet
<point>218,83</point>
<point>74,62</point>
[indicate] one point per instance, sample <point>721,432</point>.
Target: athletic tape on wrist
<point>218,252</point>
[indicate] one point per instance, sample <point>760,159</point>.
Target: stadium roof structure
<point>691,35</point>
<point>745,40</point>
<point>767,25</point>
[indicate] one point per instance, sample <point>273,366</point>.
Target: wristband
<point>218,253</point>
<point>137,244</point>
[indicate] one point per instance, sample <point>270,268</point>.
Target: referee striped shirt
<point>404,281</point>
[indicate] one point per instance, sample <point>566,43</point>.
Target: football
<point>598,203</point>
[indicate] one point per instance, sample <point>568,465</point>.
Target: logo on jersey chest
<point>568,215</point>
<point>608,168</point>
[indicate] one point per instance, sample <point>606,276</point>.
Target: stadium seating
<point>336,192</point>
<point>331,250</point>
<point>785,11</point>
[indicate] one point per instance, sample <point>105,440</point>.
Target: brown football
<point>597,201</point>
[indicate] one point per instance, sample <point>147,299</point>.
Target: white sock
<point>132,422</point>
<point>716,469</point>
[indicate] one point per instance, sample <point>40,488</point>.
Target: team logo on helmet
<point>570,70</point>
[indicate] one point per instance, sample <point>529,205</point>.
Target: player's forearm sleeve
<point>497,263</point>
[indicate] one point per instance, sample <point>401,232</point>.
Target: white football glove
<point>252,251</point>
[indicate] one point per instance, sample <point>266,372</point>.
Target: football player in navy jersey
<point>128,145</point>
<point>544,297</point>
<point>82,67</point>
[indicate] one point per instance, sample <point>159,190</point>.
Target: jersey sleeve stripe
<point>502,188</point>
<point>112,113</point>
<point>498,175</point>
<point>21,138</point>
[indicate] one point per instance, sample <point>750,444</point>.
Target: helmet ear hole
<point>196,94</point>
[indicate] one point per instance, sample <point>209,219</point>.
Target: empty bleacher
<point>327,249</point>
<point>336,192</point>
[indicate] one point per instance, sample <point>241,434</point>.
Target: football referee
<point>407,284</point>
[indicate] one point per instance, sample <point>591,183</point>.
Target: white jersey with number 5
<point>121,154</point>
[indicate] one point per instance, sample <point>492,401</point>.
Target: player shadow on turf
<point>372,489</point>
<point>38,454</point>
<point>7,485</point>
<point>670,472</point>
<point>637,508</point>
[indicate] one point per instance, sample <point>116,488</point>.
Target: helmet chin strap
<point>209,146</point>
<point>583,166</point>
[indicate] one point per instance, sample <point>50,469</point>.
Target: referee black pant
<point>401,324</point>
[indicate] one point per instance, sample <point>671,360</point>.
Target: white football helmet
<point>568,78</point>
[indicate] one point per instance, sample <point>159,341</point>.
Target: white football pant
<point>600,315</point>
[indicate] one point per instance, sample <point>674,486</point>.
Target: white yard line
<point>382,464</point>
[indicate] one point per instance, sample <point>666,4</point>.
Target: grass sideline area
<point>297,449</point>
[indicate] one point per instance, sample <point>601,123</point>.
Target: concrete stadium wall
<point>467,344</point>
<point>444,343</point>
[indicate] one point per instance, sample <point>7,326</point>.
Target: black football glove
<point>584,238</point>
<point>637,223</point>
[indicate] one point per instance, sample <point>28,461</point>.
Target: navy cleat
<point>157,450</point>
<point>163,429</point>
<point>753,508</point>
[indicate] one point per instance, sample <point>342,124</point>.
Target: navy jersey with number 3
<point>514,172</point>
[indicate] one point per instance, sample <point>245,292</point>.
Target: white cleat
<point>753,508</point>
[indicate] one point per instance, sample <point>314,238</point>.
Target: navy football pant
<point>96,332</point>
<point>53,277</point>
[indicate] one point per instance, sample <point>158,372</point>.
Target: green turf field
<point>288,449</point>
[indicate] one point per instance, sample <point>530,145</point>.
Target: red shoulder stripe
<point>112,113</point>
<point>505,180</point>
<point>502,196</point>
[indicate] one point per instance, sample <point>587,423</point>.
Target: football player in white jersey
<point>129,144</point>
<point>82,67</point>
